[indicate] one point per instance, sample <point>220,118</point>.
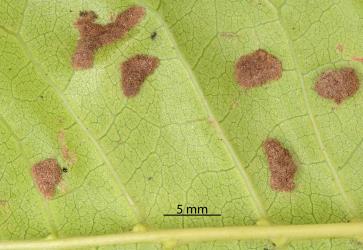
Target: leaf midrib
<point>171,236</point>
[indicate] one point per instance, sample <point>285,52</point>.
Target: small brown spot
<point>213,122</point>
<point>93,35</point>
<point>63,187</point>
<point>281,164</point>
<point>337,84</point>
<point>339,48</point>
<point>134,72</point>
<point>357,59</point>
<point>69,156</point>
<point>228,35</point>
<point>235,104</point>
<point>257,68</point>
<point>47,175</point>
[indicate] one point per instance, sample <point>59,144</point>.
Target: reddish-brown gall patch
<point>257,68</point>
<point>47,174</point>
<point>281,165</point>
<point>135,70</point>
<point>337,85</point>
<point>93,35</point>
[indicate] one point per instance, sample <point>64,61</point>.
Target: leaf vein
<point>104,157</point>
<point>349,203</point>
<point>229,148</point>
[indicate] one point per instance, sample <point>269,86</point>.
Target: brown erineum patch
<point>281,164</point>
<point>47,175</point>
<point>337,85</point>
<point>134,72</point>
<point>94,36</point>
<point>257,68</point>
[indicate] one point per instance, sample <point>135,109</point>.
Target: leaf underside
<point>192,136</point>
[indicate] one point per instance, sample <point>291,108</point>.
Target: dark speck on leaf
<point>65,170</point>
<point>153,35</point>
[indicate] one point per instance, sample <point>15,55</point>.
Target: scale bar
<point>192,214</point>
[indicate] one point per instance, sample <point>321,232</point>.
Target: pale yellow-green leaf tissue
<point>192,135</point>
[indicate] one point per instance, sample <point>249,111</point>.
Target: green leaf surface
<point>192,136</point>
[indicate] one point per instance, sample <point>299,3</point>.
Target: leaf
<point>192,136</point>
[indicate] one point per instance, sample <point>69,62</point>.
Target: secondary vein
<point>104,157</point>
<point>350,206</point>
<point>261,213</point>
